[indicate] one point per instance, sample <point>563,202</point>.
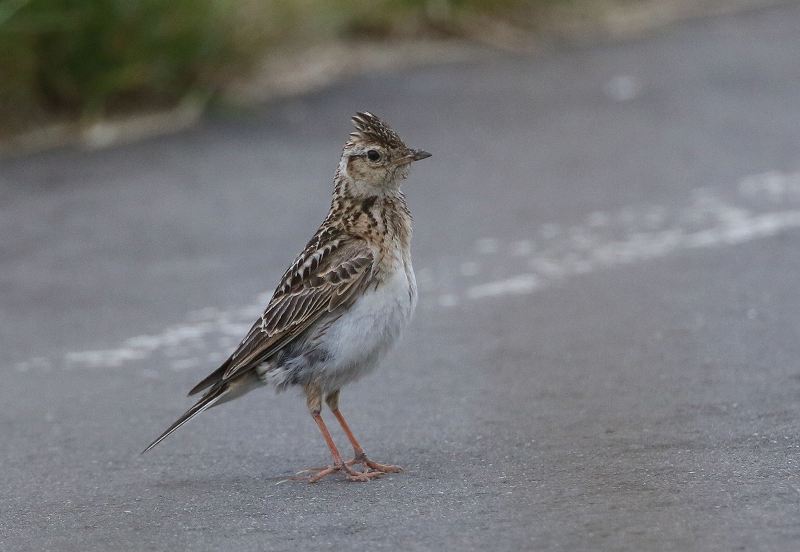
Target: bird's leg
<point>359,456</point>
<point>313,397</point>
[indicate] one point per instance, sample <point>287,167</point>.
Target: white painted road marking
<point>552,254</point>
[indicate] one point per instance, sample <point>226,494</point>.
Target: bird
<point>342,303</point>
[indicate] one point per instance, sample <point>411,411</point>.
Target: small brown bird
<point>342,303</point>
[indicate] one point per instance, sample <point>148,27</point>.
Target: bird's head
<point>375,159</point>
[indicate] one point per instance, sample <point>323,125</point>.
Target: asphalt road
<point>604,356</point>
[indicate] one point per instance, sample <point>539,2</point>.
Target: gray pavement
<point>604,357</point>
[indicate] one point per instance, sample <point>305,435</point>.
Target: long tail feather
<point>207,401</point>
<point>210,379</point>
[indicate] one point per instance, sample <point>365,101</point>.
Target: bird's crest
<point>369,128</point>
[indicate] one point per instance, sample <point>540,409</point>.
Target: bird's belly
<point>358,339</point>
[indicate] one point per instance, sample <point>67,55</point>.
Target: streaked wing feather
<point>321,285</point>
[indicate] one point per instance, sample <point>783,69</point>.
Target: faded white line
<point>520,284</point>
<point>772,185</point>
<point>639,247</point>
<point>487,246</point>
<point>521,248</point>
<point>551,253</point>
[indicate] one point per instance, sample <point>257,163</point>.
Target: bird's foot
<point>352,475</point>
<point>373,467</point>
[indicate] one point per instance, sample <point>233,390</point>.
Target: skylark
<point>342,303</point>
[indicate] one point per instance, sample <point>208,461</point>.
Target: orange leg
<point>338,464</point>
<point>360,457</point>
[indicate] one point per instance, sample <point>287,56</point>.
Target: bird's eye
<point>373,155</point>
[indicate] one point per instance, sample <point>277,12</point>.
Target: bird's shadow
<point>240,482</point>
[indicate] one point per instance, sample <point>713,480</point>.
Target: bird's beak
<point>416,155</point>
<point>413,155</point>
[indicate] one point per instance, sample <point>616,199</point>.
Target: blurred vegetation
<point>84,58</point>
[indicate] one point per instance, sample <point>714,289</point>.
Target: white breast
<point>358,340</point>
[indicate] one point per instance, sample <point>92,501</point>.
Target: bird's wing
<point>327,276</point>
<point>321,280</point>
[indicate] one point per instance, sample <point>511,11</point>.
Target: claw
<point>352,475</point>
<point>373,466</point>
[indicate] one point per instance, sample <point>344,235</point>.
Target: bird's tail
<point>213,378</point>
<point>220,393</point>
<point>207,401</point>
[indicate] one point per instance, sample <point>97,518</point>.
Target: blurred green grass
<point>85,58</point>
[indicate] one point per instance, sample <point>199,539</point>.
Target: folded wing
<point>322,280</point>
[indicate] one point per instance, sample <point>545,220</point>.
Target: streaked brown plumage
<point>343,301</point>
